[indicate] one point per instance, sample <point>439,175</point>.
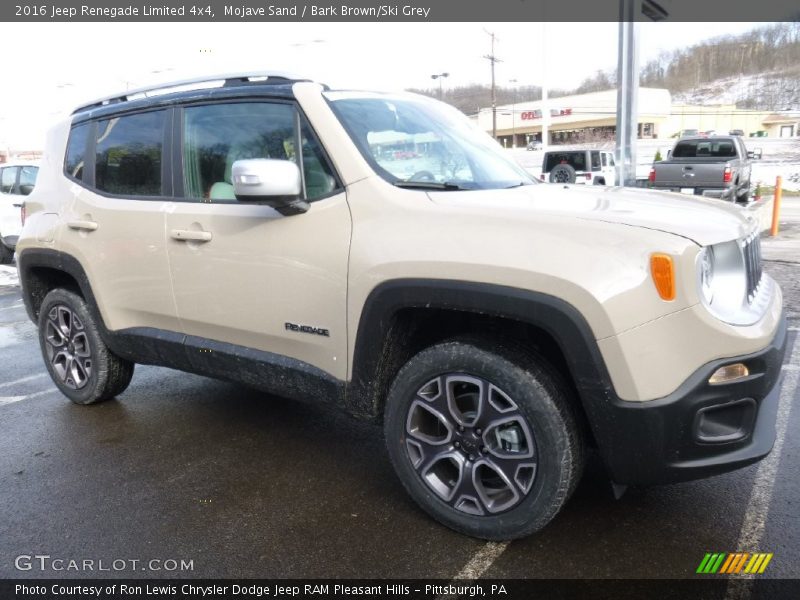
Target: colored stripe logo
<point>734,563</point>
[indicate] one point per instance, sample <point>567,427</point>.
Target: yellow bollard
<point>776,208</point>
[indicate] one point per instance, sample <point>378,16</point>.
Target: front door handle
<point>187,235</point>
<point>82,225</point>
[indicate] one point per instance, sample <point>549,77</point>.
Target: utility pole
<point>493,60</point>
<point>630,12</point>
<point>513,115</point>
<point>627,91</point>
<point>545,104</point>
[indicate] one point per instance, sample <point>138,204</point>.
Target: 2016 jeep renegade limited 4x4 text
<point>378,252</point>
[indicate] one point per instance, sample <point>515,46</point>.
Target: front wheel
<point>484,441</point>
<point>78,360</point>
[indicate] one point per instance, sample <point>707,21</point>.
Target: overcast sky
<point>50,67</point>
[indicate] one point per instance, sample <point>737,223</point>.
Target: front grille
<point>751,249</point>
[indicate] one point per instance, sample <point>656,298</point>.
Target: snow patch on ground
<point>8,275</point>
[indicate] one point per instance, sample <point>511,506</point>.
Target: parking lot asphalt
<point>181,467</point>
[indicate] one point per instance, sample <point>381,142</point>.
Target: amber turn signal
<point>663,271</point>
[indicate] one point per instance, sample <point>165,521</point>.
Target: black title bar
<point>705,587</point>
<point>400,11</point>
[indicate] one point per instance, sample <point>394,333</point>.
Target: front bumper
<point>699,430</point>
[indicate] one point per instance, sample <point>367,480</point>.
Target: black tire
<point>437,378</point>
<point>6,254</point>
<point>743,197</point>
<point>563,174</point>
<point>70,342</point>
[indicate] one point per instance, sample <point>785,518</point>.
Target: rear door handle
<point>82,225</point>
<point>186,235</point>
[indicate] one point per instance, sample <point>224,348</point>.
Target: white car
<point>16,181</point>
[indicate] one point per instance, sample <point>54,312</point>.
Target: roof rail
<point>227,79</point>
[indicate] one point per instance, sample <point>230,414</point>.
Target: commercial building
<point>593,117</point>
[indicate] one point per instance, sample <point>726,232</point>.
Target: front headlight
<point>723,282</point>
<point>705,265</point>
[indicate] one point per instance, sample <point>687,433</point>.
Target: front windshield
<point>416,142</point>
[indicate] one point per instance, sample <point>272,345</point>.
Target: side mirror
<point>756,154</point>
<point>269,181</point>
<point>669,154</point>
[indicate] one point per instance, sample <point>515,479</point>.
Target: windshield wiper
<point>429,185</point>
<point>515,185</point>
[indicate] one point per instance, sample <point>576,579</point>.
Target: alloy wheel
<point>469,443</point>
<point>68,348</point>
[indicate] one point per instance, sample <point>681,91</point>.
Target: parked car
<point>687,133</point>
<point>534,145</point>
<point>496,327</point>
<point>17,180</point>
<point>717,167</point>
<point>579,166</point>
<point>739,132</point>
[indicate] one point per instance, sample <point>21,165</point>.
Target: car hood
<point>703,220</point>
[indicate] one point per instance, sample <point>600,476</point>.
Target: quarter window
<point>128,154</point>
<point>217,135</point>
<point>75,159</point>
<point>595,161</point>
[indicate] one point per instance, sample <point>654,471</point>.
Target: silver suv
<point>378,252</point>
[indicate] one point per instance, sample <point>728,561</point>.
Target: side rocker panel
<point>273,373</point>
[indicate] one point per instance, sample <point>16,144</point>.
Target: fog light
<point>729,373</point>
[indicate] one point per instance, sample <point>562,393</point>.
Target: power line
<point>492,61</point>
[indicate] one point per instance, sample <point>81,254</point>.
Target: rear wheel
<point>484,441</point>
<point>79,362</point>
<point>563,174</point>
<point>744,196</point>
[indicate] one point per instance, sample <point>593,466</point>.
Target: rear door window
<point>595,161</point>
<point>128,154</point>
<point>27,179</point>
<point>576,160</point>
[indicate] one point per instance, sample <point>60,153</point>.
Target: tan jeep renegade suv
<point>378,252</point>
